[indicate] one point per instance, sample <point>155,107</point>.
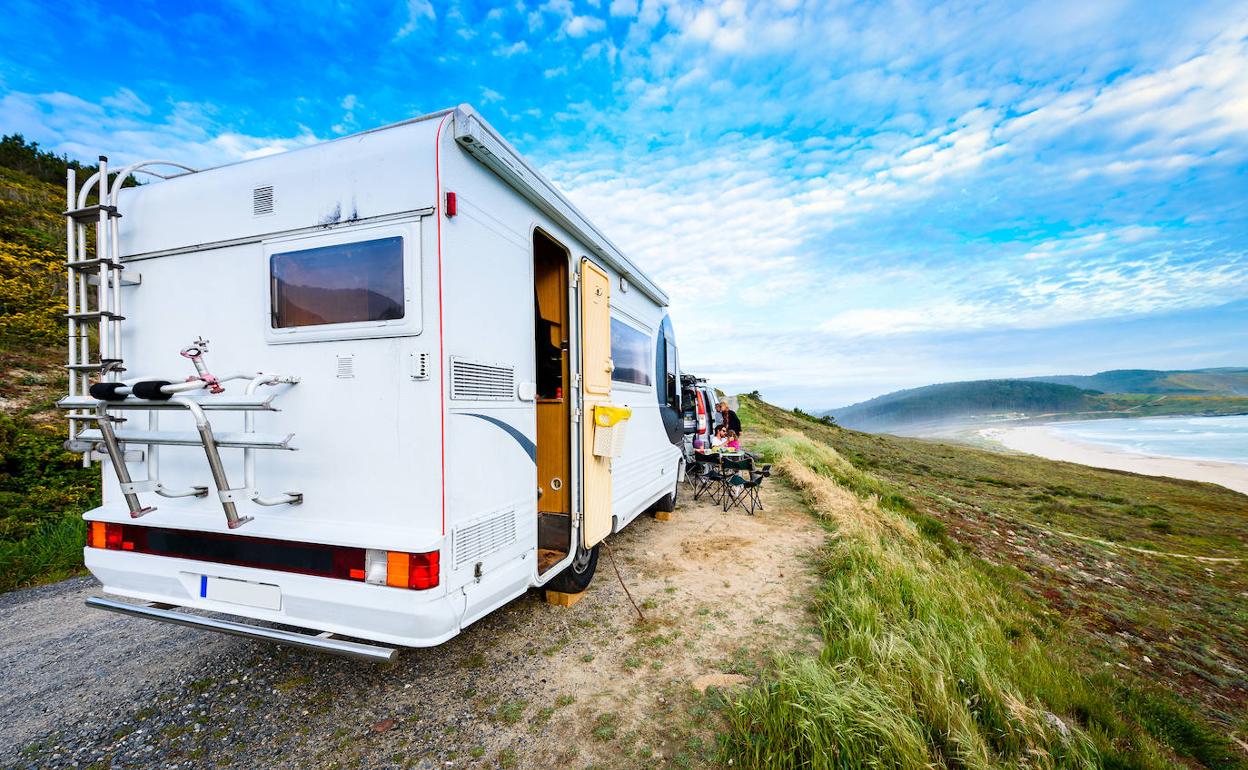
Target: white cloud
<point>418,12</point>
<point>580,26</point>
<point>347,123</point>
<point>623,8</point>
<point>125,100</point>
<point>518,47</point>
<point>188,133</point>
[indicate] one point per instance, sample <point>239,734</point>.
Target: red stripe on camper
<point>437,215</point>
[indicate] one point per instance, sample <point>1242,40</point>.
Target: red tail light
<point>109,536</point>
<point>424,570</point>
<point>412,570</point>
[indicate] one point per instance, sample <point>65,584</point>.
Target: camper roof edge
<point>483,142</point>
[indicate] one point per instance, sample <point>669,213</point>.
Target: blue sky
<point>842,198</point>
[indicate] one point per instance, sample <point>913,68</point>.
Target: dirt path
<point>532,685</point>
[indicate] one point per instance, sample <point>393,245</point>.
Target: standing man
<point>731,421</point>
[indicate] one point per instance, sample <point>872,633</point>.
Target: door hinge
<point>576,415</point>
<point>576,279</point>
<point>576,381</point>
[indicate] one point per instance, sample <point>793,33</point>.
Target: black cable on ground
<point>622,585</point>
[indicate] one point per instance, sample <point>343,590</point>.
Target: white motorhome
<point>374,388</point>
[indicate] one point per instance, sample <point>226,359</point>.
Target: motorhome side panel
<point>647,469</point>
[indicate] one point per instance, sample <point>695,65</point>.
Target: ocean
<point>1192,438</point>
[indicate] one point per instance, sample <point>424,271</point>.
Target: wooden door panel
<point>596,383</point>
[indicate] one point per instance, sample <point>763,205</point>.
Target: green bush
<point>43,492</point>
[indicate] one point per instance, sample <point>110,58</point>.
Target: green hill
<point>952,400</point>
<point>1120,393</point>
<point>1225,381</point>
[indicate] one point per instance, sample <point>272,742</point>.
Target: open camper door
<point>596,368</point>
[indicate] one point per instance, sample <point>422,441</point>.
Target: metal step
<point>95,315</point>
<point>91,213</point>
<point>225,440</point>
<point>113,364</point>
<point>94,265</point>
<point>256,402</point>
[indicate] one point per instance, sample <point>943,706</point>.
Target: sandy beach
<point>1040,440</point>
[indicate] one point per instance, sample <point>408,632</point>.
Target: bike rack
<point>179,396</point>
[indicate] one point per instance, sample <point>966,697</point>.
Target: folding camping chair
<point>711,478</point>
<point>740,491</point>
<point>757,475</point>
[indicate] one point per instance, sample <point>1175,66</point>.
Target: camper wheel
<point>576,576</point>
<point>667,503</point>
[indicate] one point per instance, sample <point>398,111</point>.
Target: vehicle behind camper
<point>375,388</point>
<point>700,416</point>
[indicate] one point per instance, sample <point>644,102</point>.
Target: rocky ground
<point>532,685</point>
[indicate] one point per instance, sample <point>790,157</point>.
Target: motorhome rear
<point>374,388</point>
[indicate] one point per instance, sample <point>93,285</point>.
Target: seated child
<point>733,441</point>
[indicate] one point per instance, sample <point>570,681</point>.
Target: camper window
<point>630,352</point>
<point>344,283</point>
<point>665,366</point>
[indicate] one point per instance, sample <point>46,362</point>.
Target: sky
<point>842,198</point>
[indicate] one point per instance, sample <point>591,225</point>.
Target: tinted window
<point>346,283</point>
<point>630,352</point>
<point>665,367</point>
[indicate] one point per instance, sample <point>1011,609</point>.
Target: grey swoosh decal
<point>527,445</point>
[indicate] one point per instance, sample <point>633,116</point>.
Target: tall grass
<point>926,660</point>
<point>43,490</point>
<point>52,553</point>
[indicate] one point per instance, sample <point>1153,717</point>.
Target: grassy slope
<point>42,487</point>
<point>963,629</point>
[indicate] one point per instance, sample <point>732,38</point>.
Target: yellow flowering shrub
<point>32,261</point>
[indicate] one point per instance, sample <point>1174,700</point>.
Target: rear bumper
<point>378,613</point>
<point>320,642</point>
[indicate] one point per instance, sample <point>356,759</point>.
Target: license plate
<point>262,595</point>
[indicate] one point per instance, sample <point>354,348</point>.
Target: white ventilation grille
<point>475,541</point>
<point>262,200</point>
<point>346,367</point>
<point>476,381</point>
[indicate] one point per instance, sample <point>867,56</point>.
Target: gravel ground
<point>532,685</point>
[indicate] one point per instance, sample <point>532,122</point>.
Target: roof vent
<point>262,200</point>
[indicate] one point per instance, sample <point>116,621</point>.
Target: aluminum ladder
<point>94,282</point>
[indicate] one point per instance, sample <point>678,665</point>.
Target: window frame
<point>409,325</point>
